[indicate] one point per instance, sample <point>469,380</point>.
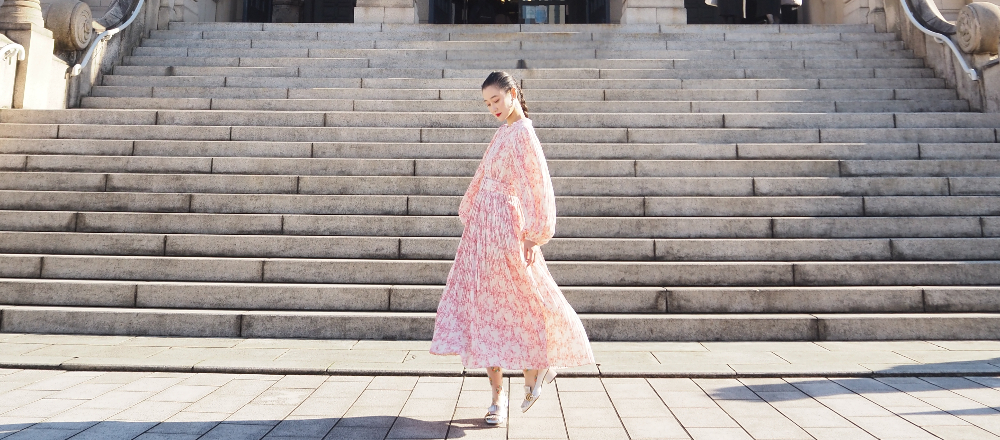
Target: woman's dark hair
<point>505,82</point>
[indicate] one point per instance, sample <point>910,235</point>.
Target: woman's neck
<point>515,115</point>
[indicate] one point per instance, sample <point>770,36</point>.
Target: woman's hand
<point>530,250</point>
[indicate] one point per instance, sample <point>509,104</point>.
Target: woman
<point>500,307</point>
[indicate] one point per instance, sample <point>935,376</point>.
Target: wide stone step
<point>378,119</point>
<point>680,73</point>
<point>553,151</point>
<point>722,50</point>
<point>559,249</point>
<point>902,106</point>
<point>568,273</point>
<point>472,84</point>
<point>617,43</point>
<point>415,325</point>
<point>412,298</point>
<point>466,167</point>
<point>449,226</point>
<point>520,71</point>
<point>756,206</point>
<point>474,28</point>
<point>456,186</point>
<point>612,95</point>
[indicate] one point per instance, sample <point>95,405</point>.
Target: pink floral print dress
<point>496,311</point>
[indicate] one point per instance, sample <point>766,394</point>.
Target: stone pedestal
<point>386,11</point>
<point>654,11</point>
<point>21,21</point>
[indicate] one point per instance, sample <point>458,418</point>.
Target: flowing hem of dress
<point>520,367</point>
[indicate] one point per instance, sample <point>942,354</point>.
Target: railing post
<point>21,21</point>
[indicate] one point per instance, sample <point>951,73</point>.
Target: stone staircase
<point>302,180</point>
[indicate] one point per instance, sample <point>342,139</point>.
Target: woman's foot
<point>532,394</point>
<point>497,412</point>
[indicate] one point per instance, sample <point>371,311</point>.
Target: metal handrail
<point>105,36</point>
<point>940,38</point>
<point>19,49</point>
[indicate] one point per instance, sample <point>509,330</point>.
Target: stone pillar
<point>286,11</point>
<point>386,11</point>
<point>21,21</point>
<point>654,11</point>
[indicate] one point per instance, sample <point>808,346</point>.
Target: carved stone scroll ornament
<point>71,24</point>
<point>979,28</point>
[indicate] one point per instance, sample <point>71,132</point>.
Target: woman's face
<point>499,103</point>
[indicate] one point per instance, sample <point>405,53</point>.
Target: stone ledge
<point>410,358</point>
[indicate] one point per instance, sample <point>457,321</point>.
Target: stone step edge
<point>334,370</point>
<point>129,293</point>
<point>802,326</point>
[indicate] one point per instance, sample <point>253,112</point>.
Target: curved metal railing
<point>940,38</point>
<point>105,36</point>
<point>12,47</point>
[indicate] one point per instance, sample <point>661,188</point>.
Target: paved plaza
<point>192,388</point>
<point>53,404</point>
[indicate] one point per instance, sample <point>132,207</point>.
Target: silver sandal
<point>497,413</point>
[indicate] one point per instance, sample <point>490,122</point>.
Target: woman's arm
<point>538,203</point>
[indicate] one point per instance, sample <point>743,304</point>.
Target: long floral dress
<point>496,311</point>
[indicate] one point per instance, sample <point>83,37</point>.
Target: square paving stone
<point>85,391</point>
<point>890,427</point>
<point>163,436</point>
<point>536,428</point>
<point>44,408</point>
<point>743,409</point>
<point>112,430</point>
<point>422,428</point>
<point>43,434</point>
<point>311,427</point>
<point>237,431</point>
<point>300,381</point>
<point>674,384</point>
<point>842,433</point>
<point>579,433</point>
<point>579,384</point>
<point>190,423</point>
<point>704,418</point>
<point>641,408</point>
<point>322,406</point>
<point>653,428</point>
<point>591,418</point>
<point>183,393</point>
<point>928,416</point>
<point>369,416</point>
<point>261,414</point>
<point>282,396</point>
<point>436,408</point>
<point>478,432</point>
<point>767,385</point>
<point>357,433</point>
<point>960,432</point>
<point>376,397</point>
<point>761,428</point>
<point>688,399</point>
<point>150,411</point>
<point>816,418</point>
<point>718,434</point>
<point>584,399</point>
